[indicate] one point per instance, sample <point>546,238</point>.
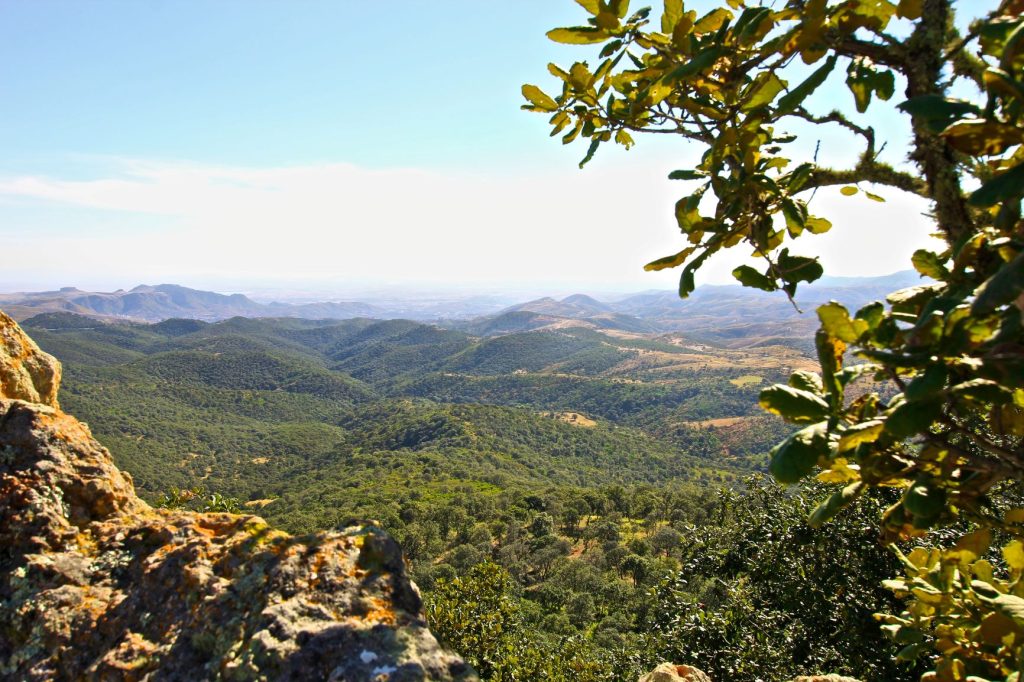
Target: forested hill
<point>566,471</point>
<point>302,412</point>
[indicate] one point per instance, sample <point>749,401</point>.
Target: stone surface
<point>26,373</point>
<point>97,585</point>
<point>668,672</point>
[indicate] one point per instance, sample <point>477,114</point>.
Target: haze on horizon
<point>329,146</point>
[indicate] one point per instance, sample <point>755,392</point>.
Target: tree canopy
<point>926,393</point>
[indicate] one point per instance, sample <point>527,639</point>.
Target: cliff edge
<point>96,584</point>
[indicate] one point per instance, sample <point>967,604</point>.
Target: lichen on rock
<point>26,372</point>
<point>96,584</point>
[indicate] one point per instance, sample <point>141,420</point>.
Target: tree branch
<point>867,171</point>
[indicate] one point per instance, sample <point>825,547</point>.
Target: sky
<point>336,146</point>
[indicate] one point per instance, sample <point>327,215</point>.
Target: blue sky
<point>267,83</point>
<point>226,144</point>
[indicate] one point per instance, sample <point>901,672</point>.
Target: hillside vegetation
<point>576,469</point>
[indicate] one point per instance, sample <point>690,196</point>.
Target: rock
<point>667,672</point>
<point>95,584</point>
<point>26,373</point>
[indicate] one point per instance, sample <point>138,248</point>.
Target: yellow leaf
<point>580,76</point>
<point>712,21</point>
<point>670,261</point>
<point>849,191</point>
<point>975,543</point>
<point>919,557</point>
<point>995,626</point>
<point>607,20</point>
<point>840,472</point>
<point>538,98</point>
<point>762,91</point>
<point>980,137</point>
<point>1013,553</point>
<point>909,9</point>
<point>867,432</point>
<point>817,225</point>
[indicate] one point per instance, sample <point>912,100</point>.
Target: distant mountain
<point>165,301</point>
<point>728,316</point>
<point>723,315</point>
<point>577,305</point>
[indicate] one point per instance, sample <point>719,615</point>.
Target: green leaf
<point>686,282</point>
<point>687,175</point>
<point>910,299</point>
<point>799,177</point>
<point>799,268</point>
<point>536,96</point>
<point>927,384</point>
<point>936,111</point>
<point>1001,288</point>
<point>984,390</point>
<point>578,35</point>
<point>749,277</point>
<point>807,381</point>
<point>749,21</point>
<point>795,97</point>
<point>795,214</point>
<point>929,264</point>
<point>834,504</point>
<point>591,150</point>
<point>873,313</point>
<point>702,61</point>
<point>793,404</point>
<point>762,91</point>
<point>1006,185</point>
<point>795,457</point>
<point>912,417</point>
<point>836,321</point>
<point>925,499</point>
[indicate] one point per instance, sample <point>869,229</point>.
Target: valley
<point>584,454</point>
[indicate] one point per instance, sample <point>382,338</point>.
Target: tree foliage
<point>946,426</point>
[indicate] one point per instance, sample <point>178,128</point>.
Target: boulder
<point>668,672</point>
<point>26,373</point>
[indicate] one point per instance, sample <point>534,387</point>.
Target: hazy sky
<point>224,144</point>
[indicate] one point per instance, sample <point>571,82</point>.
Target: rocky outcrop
<point>95,584</point>
<point>26,373</point>
<point>667,672</point>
